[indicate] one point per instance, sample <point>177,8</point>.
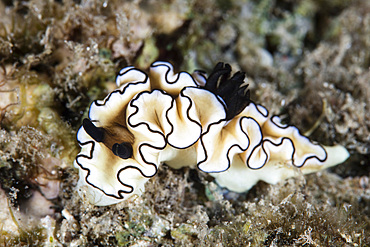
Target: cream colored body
<point>174,120</point>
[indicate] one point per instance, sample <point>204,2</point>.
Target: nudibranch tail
<point>335,155</point>
<point>188,120</point>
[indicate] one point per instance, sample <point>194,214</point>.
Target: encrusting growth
<point>188,120</point>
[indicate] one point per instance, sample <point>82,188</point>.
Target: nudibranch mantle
<point>183,119</point>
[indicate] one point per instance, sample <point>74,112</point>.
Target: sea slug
<point>188,120</point>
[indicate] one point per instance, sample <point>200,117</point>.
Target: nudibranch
<point>183,119</point>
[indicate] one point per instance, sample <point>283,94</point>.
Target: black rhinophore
<point>123,150</point>
<point>96,133</point>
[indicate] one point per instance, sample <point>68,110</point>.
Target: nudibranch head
<point>185,120</point>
